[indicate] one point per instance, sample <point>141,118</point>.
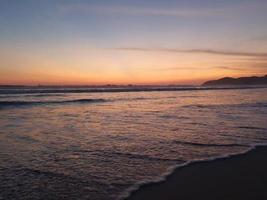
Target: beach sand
<point>237,177</point>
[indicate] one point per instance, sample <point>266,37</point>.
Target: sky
<point>80,42</point>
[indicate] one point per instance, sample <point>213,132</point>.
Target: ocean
<point>103,143</point>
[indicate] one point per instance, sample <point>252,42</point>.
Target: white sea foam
<point>110,142</point>
<point>172,169</point>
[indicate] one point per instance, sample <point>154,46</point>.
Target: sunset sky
<point>131,41</point>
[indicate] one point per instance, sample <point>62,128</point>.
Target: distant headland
<point>253,80</point>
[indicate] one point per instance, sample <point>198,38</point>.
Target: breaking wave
<point>209,144</point>
<point>4,104</point>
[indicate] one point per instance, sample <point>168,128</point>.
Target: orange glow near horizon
<point>157,42</point>
<point>88,67</point>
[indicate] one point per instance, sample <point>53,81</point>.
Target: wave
<point>30,95</point>
<point>129,155</point>
<point>35,103</point>
<point>126,194</point>
<point>136,99</point>
<point>215,106</point>
<point>28,90</point>
<point>4,104</point>
<point>44,95</point>
<point>34,172</point>
<point>145,157</point>
<point>209,144</point>
<point>252,128</point>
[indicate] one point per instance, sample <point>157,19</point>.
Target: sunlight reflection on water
<point>91,149</point>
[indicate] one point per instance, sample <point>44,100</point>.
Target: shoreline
<point>234,176</point>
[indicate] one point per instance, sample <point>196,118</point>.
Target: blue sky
<point>154,23</point>
<point>52,26</point>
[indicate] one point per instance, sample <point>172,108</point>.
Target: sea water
<point>100,144</point>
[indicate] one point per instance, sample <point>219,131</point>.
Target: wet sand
<point>238,177</point>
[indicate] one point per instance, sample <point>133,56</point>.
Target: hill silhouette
<point>253,80</point>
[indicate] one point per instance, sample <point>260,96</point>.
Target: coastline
<point>239,176</point>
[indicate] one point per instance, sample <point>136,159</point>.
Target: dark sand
<point>238,177</point>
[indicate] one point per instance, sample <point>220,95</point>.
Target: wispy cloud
<point>206,68</point>
<point>197,51</point>
<point>230,68</point>
<point>133,10</point>
<point>239,69</point>
<point>226,11</point>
